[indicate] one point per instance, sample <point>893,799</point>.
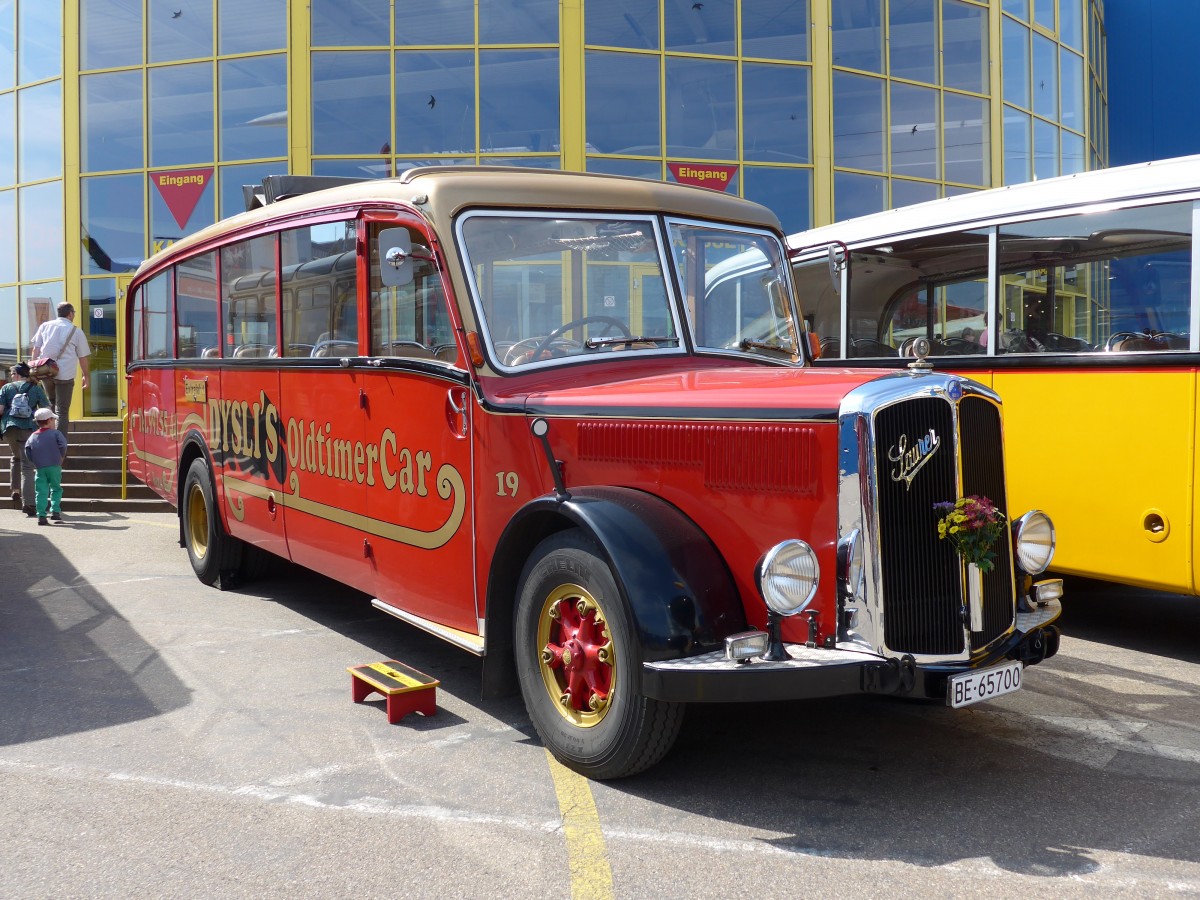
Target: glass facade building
<point>131,123</point>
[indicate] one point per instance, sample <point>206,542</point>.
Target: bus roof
<point>449,189</point>
<point>1154,179</point>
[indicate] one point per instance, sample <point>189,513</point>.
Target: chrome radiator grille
<point>922,579</point>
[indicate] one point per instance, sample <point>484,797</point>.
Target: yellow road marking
<point>587,855</point>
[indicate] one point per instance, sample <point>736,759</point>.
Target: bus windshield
<point>562,287</point>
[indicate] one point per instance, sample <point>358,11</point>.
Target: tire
<point>579,666</point>
<point>212,552</point>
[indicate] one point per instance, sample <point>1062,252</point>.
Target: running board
<point>473,643</point>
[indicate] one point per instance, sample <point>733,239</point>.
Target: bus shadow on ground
<point>68,661</point>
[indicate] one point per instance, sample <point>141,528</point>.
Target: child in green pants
<point>46,449</point>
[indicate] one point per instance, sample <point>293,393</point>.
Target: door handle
<point>457,413</point>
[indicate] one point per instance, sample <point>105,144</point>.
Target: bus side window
<point>248,297</point>
<point>320,291</point>
<point>410,320</point>
<point>196,306</point>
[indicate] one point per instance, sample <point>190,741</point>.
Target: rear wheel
<point>211,551</point>
<point>579,667</point>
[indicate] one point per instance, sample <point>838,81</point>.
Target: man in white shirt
<point>63,341</point>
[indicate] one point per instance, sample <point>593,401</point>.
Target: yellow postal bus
<point>1075,299</point>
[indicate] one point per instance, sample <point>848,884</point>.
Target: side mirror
<point>397,255</point>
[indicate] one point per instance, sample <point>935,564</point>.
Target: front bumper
<point>814,672</point>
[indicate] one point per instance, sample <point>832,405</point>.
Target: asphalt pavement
<point>161,738</point>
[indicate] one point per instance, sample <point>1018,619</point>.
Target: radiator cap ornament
<point>921,348</point>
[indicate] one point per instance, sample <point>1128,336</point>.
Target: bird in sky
<point>914,131</point>
<point>432,101</point>
<point>697,6</point>
<point>176,13</point>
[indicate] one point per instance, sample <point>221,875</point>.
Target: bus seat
<point>251,350</point>
<point>335,348</point>
<point>211,352</point>
<point>409,350</point>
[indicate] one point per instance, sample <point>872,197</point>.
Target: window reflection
<point>857,121</point>
<point>1070,23</point>
<point>967,134</point>
<point>1045,77</point>
<point>111,121</point>
<point>912,40</point>
<point>232,201</point>
<point>8,127</point>
<point>8,248</point>
<point>701,108</point>
<point>518,100</point>
<point>775,113</point>
<point>622,103</point>
<point>248,280</point>
<point>245,26</point>
<point>1073,150</point>
<point>8,326</point>
<point>350,23</point>
<point>181,114</point>
<point>915,131</point>
<point>435,22</point>
<point>180,31</point>
<point>630,168</point>
<point>112,210</point>
<point>706,27</point>
<point>435,102</point>
<point>39,35</point>
<point>518,22</point>
<point>8,56</point>
<point>965,46</point>
<point>857,195</point>
<point>858,35</point>
<point>158,306</point>
<point>1071,89</point>
<point>351,96</point>
<point>622,23</point>
<point>40,225</point>
<point>777,29</point>
<point>1045,149</point>
<point>906,193</point>
<point>1017,141</point>
<point>1043,13</point>
<point>39,132</point>
<point>785,191</point>
<point>105,28</point>
<point>253,93</point>
<point>1016,63</point>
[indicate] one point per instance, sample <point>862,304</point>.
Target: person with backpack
<point>46,450</point>
<point>19,400</point>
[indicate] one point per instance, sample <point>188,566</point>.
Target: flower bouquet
<point>973,525</point>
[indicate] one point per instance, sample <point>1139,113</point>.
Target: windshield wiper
<point>632,339</point>
<point>746,344</point>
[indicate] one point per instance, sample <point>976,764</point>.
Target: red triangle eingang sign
<point>181,190</point>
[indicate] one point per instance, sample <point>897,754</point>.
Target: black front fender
<point>673,580</point>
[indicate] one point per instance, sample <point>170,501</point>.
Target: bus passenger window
<point>320,290</point>
<point>248,297</point>
<point>196,307</point>
<point>1112,280</point>
<point>410,320</point>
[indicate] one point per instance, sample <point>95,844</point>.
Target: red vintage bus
<point>567,422</point>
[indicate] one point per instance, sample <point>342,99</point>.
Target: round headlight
<point>1033,538</point>
<point>850,563</point>
<point>788,576</point>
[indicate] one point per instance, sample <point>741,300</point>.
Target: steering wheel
<point>577,323</point>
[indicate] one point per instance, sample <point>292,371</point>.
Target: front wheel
<point>211,551</point>
<point>578,664</point>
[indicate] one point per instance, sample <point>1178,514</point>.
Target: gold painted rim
<point>576,656</point>
<point>197,522</point>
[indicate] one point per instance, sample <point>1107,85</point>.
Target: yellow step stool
<point>406,689</point>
